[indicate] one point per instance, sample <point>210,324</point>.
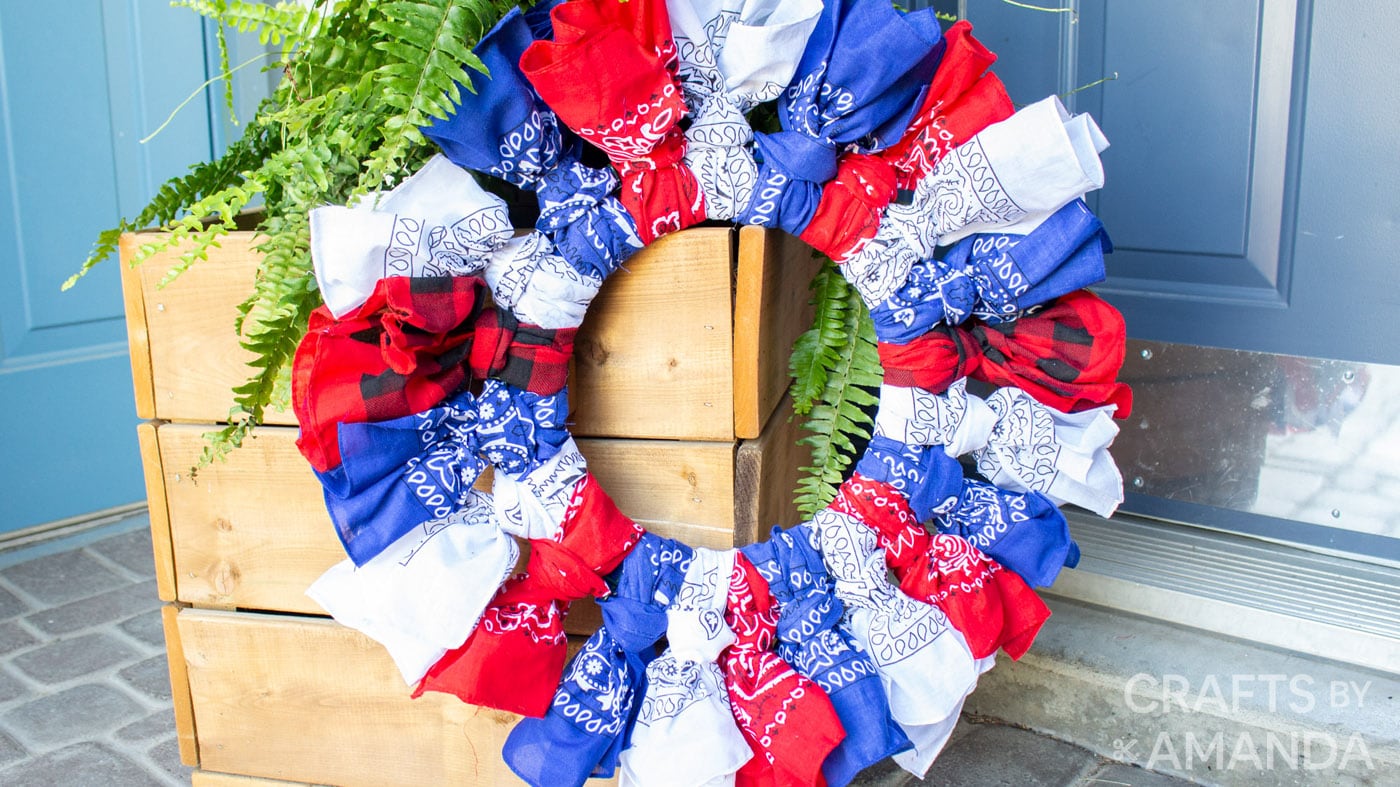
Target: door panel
<point>81,81</point>
<point>1250,196</point>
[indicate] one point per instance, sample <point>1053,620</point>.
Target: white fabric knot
<point>685,732</point>
<point>423,595</point>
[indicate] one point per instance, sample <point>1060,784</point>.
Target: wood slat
<point>305,699</point>
<point>137,335</point>
<point>215,779</point>
<point>180,697</point>
<point>653,356</point>
<point>195,360</point>
<point>159,511</point>
<point>765,475</point>
<point>771,310</point>
<point>252,532</point>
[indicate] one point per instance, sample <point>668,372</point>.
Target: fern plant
<point>836,379</point>
<point>359,79</point>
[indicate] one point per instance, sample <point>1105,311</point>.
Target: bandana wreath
<point>840,641</point>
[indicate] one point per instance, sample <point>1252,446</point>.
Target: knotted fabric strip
<point>610,75</point>
<point>963,99</point>
<point>586,727</point>
<point>1024,532</point>
<point>402,352</point>
<point>684,732</point>
<point>809,639</point>
<point>734,55</point>
<point>786,718</point>
<point>958,104</point>
<point>1037,160</point>
<point>928,478</point>
<point>396,475</point>
<point>423,595</point>
<point>438,222</point>
<point>525,356</point>
<point>997,277</point>
<point>514,659</point>
<point>1066,355</point>
<point>506,130</point>
<point>1019,443</point>
<point>924,664</point>
<point>991,607</point>
<point>861,77</point>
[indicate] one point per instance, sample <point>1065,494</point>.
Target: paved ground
<point>85,695</point>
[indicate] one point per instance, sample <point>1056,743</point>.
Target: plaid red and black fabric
<point>514,659</point>
<point>1066,355</point>
<point>527,356</point>
<point>402,352</point>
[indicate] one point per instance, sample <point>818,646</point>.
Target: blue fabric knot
<point>643,587</point>
<point>810,639</point>
<point>864,72</point>
<point>395,475</point>
<point>503,128</point>
<point>519,430</point>
<point>927,476</point>
<point>1024,532</point>
<point>580,212</point>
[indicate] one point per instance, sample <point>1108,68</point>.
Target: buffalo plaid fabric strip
<point>1066,355</point>
<point>526,356</point>
<point>402,352</point>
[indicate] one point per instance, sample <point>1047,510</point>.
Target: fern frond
<point>840,415</point>
<point>284,23</point>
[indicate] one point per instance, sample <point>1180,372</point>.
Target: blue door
<point>81,82</point>
<point>1251,198</point>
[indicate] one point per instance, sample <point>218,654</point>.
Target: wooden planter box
<point>677,398</point>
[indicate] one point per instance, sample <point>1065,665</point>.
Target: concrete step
<point>1198,705</point>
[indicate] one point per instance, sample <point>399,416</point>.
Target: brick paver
<point>84,691</point>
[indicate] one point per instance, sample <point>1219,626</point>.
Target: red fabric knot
<point>402,352</point>
<point>514,659</point>
<point>992,607</point>
<point>527,356</point>
<point>961,101</point>
<point>1066,355</point>
<point>610,75</point>
<point>786,718</point>
<point>851,204</point>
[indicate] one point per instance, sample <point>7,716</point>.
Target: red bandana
<point>961,101</point>
<point>515,658</point>
<point>1066,355</point>
<point>785,717</point>
<point>610,74</point>
<point>402,352</point>
<point>991,606</point>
